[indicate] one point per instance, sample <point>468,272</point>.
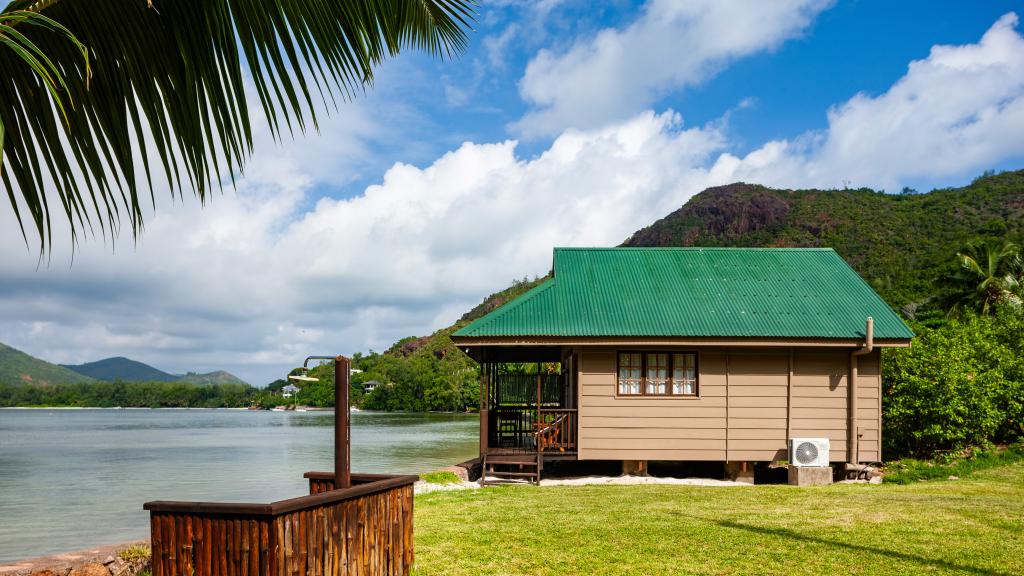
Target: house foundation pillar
<point>634,467</point>
<point>741,471</point>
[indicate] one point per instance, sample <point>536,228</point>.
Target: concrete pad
<point>810,475</point>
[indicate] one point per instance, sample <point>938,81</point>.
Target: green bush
<point>959,385</point>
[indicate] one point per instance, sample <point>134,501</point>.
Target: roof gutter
<point>853,437</point>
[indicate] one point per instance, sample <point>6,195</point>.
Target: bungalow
<point>289,390</point>
<point>370,386</point>
<point>683,354</point>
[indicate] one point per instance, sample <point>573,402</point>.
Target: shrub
<point>959,385</point>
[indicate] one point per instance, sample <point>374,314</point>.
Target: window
<point>630,368</point>
<point>684,374</point>
<point>657,374</point>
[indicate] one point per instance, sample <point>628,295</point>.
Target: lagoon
<point>72,479</point>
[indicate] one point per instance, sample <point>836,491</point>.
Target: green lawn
<point>971,526</point>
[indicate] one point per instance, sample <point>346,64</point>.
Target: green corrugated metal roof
<point>696,292</point>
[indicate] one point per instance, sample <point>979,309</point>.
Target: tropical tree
<point>989,273</point>
<point>101,101</point>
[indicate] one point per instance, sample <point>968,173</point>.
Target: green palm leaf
<point>169,73</point>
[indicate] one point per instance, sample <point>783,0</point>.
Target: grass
<point>970,526</point>
<point>440,477</point>
<point>960,464</point>
<point>135,552</point>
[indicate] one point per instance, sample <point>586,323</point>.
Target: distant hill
<point>16,367</point>
<point>121,368</point>
<point>128,370</point>
<point>216,377</point>
<point>900,243</point>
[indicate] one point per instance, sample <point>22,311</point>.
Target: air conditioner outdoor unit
<point>808,451</point>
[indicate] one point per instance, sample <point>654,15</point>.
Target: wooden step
<point>515,474</point>
<point>524,460</point>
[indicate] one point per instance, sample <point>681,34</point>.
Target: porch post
<point>485,393</point>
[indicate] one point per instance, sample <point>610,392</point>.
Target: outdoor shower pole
<point>342,471</point>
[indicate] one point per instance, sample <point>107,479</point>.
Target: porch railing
<point>557,430</point>
<point>365,529</point>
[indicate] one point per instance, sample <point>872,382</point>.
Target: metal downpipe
<point>853,438</point>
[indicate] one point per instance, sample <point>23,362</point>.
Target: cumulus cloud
<point>958,111</point>
<point>263,277</point>
<point>618,72</point>
<point>259,279</point>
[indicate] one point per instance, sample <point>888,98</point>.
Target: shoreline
<point>109,557</point>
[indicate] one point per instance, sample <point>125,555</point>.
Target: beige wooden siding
<point>614,428</point>
<point>819,397</point>
<point>757,387</point>
<point>869,408</point>
<point>742,415</point>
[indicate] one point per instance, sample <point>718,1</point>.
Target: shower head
<point>302,378</point>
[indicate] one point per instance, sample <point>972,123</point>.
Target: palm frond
<point>170,74</point>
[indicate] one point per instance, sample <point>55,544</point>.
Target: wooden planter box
<point>365,529</point>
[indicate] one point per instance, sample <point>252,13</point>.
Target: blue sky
<point>566,123</point>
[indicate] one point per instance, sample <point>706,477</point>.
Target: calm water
<point>71,479</point>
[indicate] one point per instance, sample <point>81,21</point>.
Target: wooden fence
<point>365,530</point>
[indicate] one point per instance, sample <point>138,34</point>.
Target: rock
<point>110,560</point>
<point>954,477</point>
<point>45,573</point>
<point>90,569</point>
<point>875,480</point>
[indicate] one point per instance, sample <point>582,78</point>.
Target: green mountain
<point>121,368</point>
<point>900,243</point>
<point>128,370</point>
<point>210,378</point>
<point>16,367</point>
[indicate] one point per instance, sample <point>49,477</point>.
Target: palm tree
<point>988,274</point>
<point>158,94</point>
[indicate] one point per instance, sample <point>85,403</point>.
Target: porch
<point>528,413</point>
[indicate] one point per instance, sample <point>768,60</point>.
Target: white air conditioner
<point>808,451</point>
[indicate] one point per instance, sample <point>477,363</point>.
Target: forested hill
<point>901,243</point>
<point>121,368</point>
<point>17,368</point>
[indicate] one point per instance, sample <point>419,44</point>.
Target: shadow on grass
<point>784,533</point>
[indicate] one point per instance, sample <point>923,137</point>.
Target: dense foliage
<point>901,243</point>
<point>960,384</point>
<point>129,395</point>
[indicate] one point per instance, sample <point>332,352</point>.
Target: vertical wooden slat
<point>190,541</point>
<point>172,546</point>
<point>222,546</point>
<point>156,544</point>
<point>264,560</point>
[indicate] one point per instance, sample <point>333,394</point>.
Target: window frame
<point>669,382</point>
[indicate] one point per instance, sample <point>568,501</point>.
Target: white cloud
<point>958,111</point>
<point>497,46</point>
<point>619,72</point>
<point>260,278</point>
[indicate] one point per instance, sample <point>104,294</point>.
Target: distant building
<point>354,371</point>
<point>289,390</point>
<point>370,386</point>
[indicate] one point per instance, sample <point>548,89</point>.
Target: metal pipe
<point>342,437</point>
<point>853,441</point>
